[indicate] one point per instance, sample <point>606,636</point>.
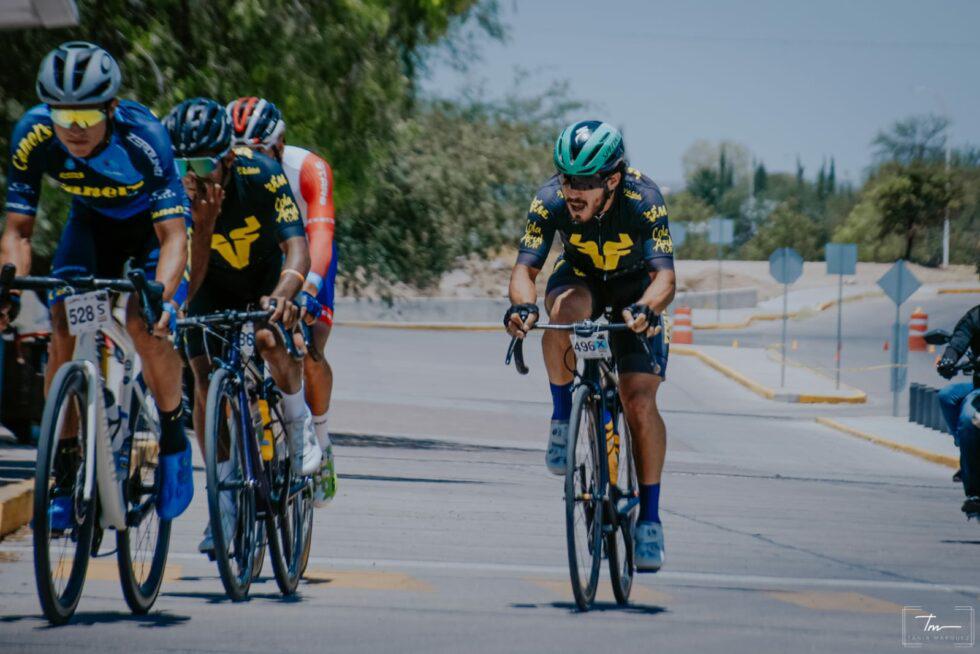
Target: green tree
<point>785,227</point>
<point>760,180</point>
<point>918,138</point>
<point>913,197</point>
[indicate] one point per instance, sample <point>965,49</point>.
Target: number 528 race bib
<point>87,312</point>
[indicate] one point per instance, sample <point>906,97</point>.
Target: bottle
<point>612,446</point>
<point>266,438</point>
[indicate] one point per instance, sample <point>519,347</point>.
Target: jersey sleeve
<point>316,187</point>
<point>540,227</point>
<point>152,153</point>
<point>28,144</point>
<point>658,248</point>
<point>277,202</point>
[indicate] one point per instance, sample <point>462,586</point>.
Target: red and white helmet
<point>255,122</point>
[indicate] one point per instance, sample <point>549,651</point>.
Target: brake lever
<point>150,297</point>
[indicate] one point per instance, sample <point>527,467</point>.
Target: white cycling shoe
<point>648,548</point>
<point>555,457</point>
<point>229,521</point>
<point>304,450</point>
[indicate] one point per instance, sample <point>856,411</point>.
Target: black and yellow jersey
<point>631,236</point>
<point>257,214</point>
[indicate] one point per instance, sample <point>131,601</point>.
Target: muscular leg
<point>201,369</point>
<point>285,371</point>
<point>564,305</point>
<point>639,395</point>
<point>317,374</point>
<point>162,367</point>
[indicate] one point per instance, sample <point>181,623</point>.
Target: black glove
<point>11,306</point>
<point>643,310</point>
<point>523,310</point>
<point>947,364</point>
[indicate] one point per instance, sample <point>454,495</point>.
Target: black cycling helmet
<point>589,147</point>
<point>78,72</point>
<point>199,127</point>
<point>255,122</point>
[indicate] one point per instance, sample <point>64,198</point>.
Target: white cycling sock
<point>322,433</point>
<point>294,406</point>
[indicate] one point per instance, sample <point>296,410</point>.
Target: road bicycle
<point>247,461</point>
<point>97,448</point>
<point>601,487</point>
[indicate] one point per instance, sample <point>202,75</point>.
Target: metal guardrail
<point>924,407</point>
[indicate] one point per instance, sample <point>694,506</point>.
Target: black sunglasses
<point>583,183</point>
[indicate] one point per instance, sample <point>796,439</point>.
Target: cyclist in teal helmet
<point>616,251</point>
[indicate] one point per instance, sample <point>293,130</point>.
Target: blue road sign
<point>841,258</point>
<point>721,231</point>
<point>785,265</point>
<point>899,283</point>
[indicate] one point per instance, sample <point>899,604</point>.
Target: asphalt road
<point>447,534</point>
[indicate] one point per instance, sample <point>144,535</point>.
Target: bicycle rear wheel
<point>625,502</point>
<point>234,547</point>
<point>291,524</point>
<point>61,556</point>
<point>583,497</point>
<point>142,548</point>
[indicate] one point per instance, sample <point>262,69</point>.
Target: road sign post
<point>898,284</point>
<point>721,231</point>
<point>786,266</point>
<point>841,260</point>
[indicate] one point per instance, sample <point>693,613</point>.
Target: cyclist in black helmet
<point>248,248</point>
<point>115,160</point>
<point>616,251</point>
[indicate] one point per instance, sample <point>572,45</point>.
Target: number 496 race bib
<point>87,312</point>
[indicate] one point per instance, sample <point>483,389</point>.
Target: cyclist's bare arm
<point>204,211</point>
<point>295,266</point>
<point>657,296</point>
<point>522,291</point>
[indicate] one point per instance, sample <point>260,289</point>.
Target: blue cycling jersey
<point>134,173</point>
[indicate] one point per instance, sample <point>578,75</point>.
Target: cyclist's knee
<point>639,391</point>
<point>59,321</point>
<point>266,341</point>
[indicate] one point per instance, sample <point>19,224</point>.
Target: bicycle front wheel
<point>584,496</point>
<point>141,548</point>
<point>231,501</point>
<point>625,502</point>
<point>63,540</point>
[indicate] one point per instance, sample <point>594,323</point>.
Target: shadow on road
<point>220,598</point>
<point>571,607</point>
<point>960,542</point>
<point>91,619</point>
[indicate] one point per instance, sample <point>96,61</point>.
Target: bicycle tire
<point>234,567</point>
<point>583,493</point>
<point>289,524</point>
<point>619,542</point>
<point>145,531</point>
<point>59,605</point>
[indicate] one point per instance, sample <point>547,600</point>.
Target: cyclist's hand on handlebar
<point>167,323</point>
<point>946,366</point>
<point>520,318</point>
<point>282,310</point>
<point>9,309</point>
<point>309,307</point>
<point>641,319</point>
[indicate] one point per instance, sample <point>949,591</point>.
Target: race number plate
<point>595,346</point>
<point>246,341</point>
<point>87,312</point>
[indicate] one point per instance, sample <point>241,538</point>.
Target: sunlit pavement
<point>447,534</point>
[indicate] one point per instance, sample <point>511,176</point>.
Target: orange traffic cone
<point>681,331</point>
<point>918,324</point>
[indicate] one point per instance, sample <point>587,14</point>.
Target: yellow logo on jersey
<point>612,251</point>
<point>244,151</point>
<point>277,182</point>
<point>632,195</point>
<point>286,210</point>
<point>634,172</point>
<point>537,207</point>
<point>655,212</point>
<point>238,251</point>
<point>249,170</point>
<point>69,174</point>
<point>102,191</point>
<point>38,134</point>
<point>169,211</point>
<point>662,241</point>
<point>533,237</point>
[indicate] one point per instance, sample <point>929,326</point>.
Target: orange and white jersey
<point>311,181</point>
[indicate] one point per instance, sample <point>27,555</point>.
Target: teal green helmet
<point>589,147</point>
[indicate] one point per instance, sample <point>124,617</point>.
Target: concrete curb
<point>932,457</point>
<point>16,506</point>
<point>859,397</point>
<point>944,291</point>
<point>759,317</point>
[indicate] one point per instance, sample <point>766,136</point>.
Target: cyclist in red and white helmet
<point>258,124</point>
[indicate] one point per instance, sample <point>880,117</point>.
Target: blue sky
<point>784,78</point>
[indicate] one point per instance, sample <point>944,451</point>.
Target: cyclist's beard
<point>598,210</point>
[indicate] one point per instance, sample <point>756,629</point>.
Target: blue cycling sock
<point>173,439</point>
<point>561,399</point>
<point>649,502</point>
